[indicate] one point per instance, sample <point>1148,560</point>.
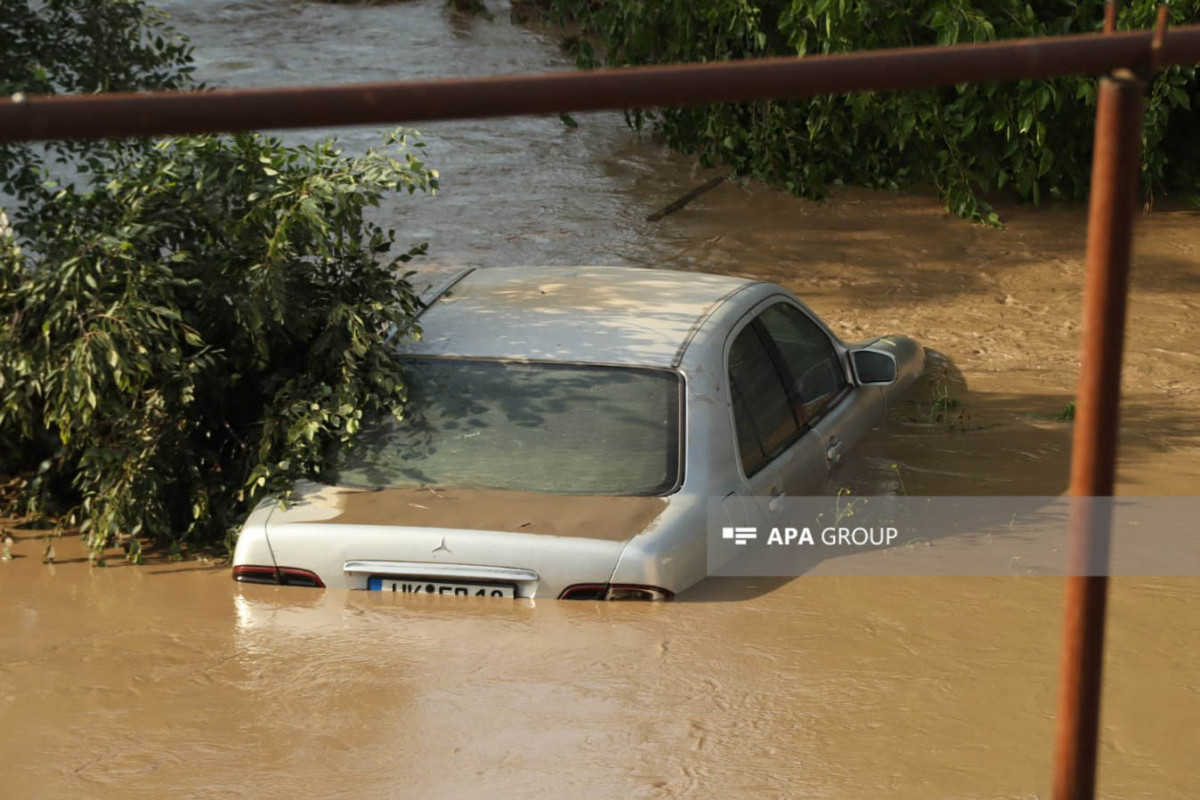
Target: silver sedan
<point>566,430</point>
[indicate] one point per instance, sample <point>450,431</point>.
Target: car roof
<point>602,315</point>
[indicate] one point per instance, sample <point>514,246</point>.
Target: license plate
<point>377,583</point>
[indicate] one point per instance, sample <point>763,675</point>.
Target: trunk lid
<point>564,539</point>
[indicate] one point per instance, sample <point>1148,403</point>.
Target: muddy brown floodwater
<point>167,679</point>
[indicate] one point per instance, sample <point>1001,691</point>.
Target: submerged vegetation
<point>1029,138</point>
<point>942,408</point>
<point>185,323</point>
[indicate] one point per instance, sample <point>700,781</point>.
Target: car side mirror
<point>873,367</point>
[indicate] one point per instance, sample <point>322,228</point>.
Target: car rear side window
<point>812,366</point>
<point>762,413</point>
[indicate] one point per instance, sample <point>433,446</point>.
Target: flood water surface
<point>167,679</point>
<point>140,682</point>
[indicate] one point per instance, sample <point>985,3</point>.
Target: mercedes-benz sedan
<point>566,430</point>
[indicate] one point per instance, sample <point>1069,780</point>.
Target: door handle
<point>776,500</point>
<point>834,451</point>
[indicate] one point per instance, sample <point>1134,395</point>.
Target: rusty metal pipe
<point>159,113</point>
<point>1114,189</point>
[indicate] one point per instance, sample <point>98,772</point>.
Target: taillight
<point>286,576</point>
<point>251,574</point>
<point>584,591</point>
<point>299,577</point>
<point>623,591</point>
<point>614,591</point>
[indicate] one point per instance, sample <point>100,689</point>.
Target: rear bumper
<point>347,556</point>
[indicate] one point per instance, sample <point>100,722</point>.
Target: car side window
<point>813,369</point>
<point>762,412</point>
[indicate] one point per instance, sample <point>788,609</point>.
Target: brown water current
<point>169,680</point>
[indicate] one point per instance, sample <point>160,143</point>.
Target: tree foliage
<point>1033,137</point>
<point>188,323</point>
<point>82,47</point>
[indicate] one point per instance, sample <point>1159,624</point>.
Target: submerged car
<point>566,429</point>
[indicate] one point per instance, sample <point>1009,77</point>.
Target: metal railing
<point>227,110</point>
<point>1126,58</point>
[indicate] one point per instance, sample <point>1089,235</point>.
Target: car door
<point>776,453</point>
<point>837,412</point>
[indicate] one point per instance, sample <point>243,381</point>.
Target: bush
<point>194,324</point>
<point>1033,138</point>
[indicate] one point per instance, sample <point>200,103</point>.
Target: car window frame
<point>769,348</point>
<point>680,429</point>
<point>781,363</point>
<point>804,423</point>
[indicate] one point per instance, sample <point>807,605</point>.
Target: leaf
<point>1026,120</point>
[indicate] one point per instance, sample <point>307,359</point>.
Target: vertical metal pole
<point>1115,167</point>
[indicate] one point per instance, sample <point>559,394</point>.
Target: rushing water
<point>169,680</point>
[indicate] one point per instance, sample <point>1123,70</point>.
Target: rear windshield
<point>558,428</point>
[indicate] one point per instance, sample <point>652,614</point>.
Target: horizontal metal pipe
<point>227,110</point>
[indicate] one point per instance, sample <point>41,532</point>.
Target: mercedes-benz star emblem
<point>442,546</point>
